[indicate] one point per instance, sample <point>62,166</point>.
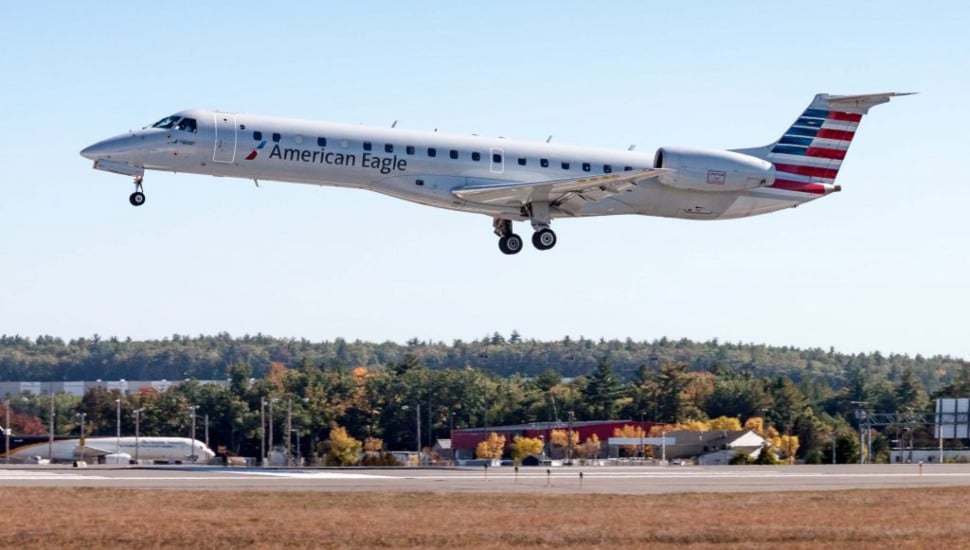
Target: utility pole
<point>117,426</point>
<point>83,416</point>
<point>262,431</point>
<point>50,430</point>
<point>269,450</point>
<point>193,456</point>
<point>137,413</point>
<point>569,439</point>
<point>418,430</point>
<point>6,433</point>
<point>289,429</point>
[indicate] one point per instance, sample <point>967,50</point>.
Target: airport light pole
<point>118,426</point>
<point>83,416</point>
<point>50,437</point>
<point>289,429</point>
<point>137,413</point>
<point>193,456</point>
<point>6,433</point>
<point>262,431</point>
<point>269,450</point>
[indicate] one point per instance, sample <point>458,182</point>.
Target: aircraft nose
<point>119,148</point>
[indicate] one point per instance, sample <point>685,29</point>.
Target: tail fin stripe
<point>792,140</point>
<point>789,150</point>
<point>812,171</point>
<point>796,131</point>
<point>813,188</point>
<point>817,113</point>
<point>841,135</point>
<point>825,153</point>
<point>850,117</point>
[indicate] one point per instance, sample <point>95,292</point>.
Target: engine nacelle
<point>711,170</point>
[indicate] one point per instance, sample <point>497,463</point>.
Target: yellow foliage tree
<point>591,447</point>
<point>787,446</point>
<point>344,449</point>
<point>558,438</point>
<point>755,424</point>
<point>491,448</point>
<point>522,447</point>
<point>725,423</point>
<point>629,430</point>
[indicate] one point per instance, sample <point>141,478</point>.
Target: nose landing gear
<point>138,197</point>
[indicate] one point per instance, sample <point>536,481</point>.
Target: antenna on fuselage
<point>394,124</point>
<point>631,147</point>
<point>548,139</point>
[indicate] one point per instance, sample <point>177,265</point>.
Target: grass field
<point>107,518</point>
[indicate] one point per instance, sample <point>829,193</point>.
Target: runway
<point>603,480</point>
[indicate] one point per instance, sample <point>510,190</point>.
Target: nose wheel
<point>138,197</point>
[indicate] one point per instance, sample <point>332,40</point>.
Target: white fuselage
<point>167,449</point>
<point>418,166</point>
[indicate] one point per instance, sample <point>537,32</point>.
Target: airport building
<point>78,387</point>
<point>464,441</point>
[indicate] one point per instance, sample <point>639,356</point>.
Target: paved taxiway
<point>606,480</point>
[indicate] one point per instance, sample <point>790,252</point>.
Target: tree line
<point>376,399</point>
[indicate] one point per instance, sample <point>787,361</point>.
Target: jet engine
<point>711,170</point>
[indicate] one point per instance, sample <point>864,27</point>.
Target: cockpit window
<point>187,124</point>
<point>167,122</point>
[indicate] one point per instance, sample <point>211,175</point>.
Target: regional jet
<point>504,179</point>
<point>111,450</point>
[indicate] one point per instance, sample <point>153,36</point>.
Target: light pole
<point>193,456</point>
<point>289,429</point>
<point>6,432</point>
<point>269,450</point>
<point>299,459</point>
<point>83,416</point>
<point>50,431</point>
<point>417,433</point>
<point>643,450</point>
<point>118,425</point>
<point>137,413</point>
<point>262,430</point>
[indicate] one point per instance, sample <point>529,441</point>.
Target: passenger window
<point>187,125</point>
<point>476,156</point>
<point>496,158</point>
<point>521,161</point>
<point>608,168</point>
<point>586,167</point>
<point>257,136</point>
<point>432,152</point>
<point>276,137</point>
<point>388,148</point>
<point>322,141</point>
<point>544,163</point>
<point>368,146</point>
<point>565,165</point>
<point>453,154</point>
<point>409,149</point>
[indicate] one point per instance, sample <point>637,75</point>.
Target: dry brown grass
<point>107,518</point>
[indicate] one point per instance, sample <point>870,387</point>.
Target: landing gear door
<point>225,138</point>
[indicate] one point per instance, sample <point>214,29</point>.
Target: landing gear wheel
<point>137,198</point>
<point>510,244</point>
<point>544,239</point>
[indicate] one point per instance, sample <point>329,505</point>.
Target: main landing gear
<point>510,243</point>
<point>138,197</point>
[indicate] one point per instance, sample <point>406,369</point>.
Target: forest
<point>371,391</point>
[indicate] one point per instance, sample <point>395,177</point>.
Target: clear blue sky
<point>882,266</point>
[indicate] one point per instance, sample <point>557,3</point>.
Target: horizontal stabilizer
<point>859,104</point>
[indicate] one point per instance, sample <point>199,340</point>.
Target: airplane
<point>504,179</point>
<point>111,450</point>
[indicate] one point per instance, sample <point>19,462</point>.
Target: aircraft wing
<point>89,450</point>
<point>567,194</point>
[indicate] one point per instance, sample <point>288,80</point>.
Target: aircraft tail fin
<point>809,154</point>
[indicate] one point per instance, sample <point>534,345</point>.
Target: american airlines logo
<point>384,165</point>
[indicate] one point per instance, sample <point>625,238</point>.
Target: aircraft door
<point>497,165</point>
<point>225,138</point>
